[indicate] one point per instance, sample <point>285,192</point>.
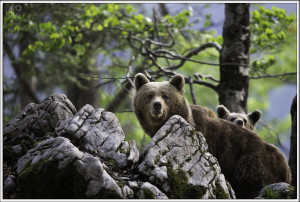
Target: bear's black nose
<point>239,122</point>
<point>157,105</point>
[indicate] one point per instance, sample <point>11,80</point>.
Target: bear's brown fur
<point>247,161</point>
<point>247,121</point>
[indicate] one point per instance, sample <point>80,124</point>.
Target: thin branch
<point>274,75</point>
<point>99,77</point>
<point>105,83</point>
<point>160,67</point>
<point>212,86</point>
<point>192,90</point>
<point>275,133</point>
<point>129,70</point>
<point>199,76</point>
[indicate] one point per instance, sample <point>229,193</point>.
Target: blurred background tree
<point>91,52</point>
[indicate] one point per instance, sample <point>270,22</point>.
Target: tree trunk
<point>234,58</point>
<point>293,149</point>
<point>87,91</point>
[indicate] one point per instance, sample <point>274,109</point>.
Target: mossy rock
<point>275,194</point>
<point>179,187</point>
<point>44,180</point>
<point>220,193</point>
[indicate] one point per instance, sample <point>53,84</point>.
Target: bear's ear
<point>222,111</point>
<point>139,80</point>
<point>177,81</point>
<point>254,116</point>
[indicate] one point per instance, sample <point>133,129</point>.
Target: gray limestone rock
<point>149,191</point>
<point>280,190</point>
<point>96,131</point>
<point>38,119</point>
<point>55,168</point>
<point>177,161</point>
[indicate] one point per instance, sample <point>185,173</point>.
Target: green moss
<point>179,187</point>
<point>43,180</point>
<point>273,194</point>
<point>220,193</point>
<point>148,194</point>
<point>9,155</point>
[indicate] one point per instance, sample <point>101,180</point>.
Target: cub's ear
<point>222,111</point>
<point>139,80</point>
<point>254,116</point>
<point>178,82</point>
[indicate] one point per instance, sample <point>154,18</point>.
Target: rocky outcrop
<point>54,152</point>
<point>58,165</point>
<point>98,132</point>
<point>178,162</point>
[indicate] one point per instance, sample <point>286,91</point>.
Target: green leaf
<point>78,37</point>
<point>129,9</point>
<point>16,28</point>
<point>80,50</point>
<point>99,27</point>
<point>54,36</point>
<point>139,17</point>
<point>269,31</point>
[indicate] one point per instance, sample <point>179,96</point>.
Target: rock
<point>149,191</point>
<point>280,190</point>
<point>35,123</point>
<point>55,168</point>
<point>177,161</point>
<point>134,154</point>
<point>38,119</point>
<point>17,149</point>
<point>96,131</point>
<point>9,185</point>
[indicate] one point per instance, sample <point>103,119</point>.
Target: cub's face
<point>156,102</point>
<point>246,121</point>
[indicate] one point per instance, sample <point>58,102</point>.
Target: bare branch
<point>273,133</point>
<point>199,76</point>
<point>212,86</point>
<point>277,76</point>
<point>161,68</point>
<point>99,77</point>
<point>129,70</point>
<point>192,90</point>
<point>274,75</point>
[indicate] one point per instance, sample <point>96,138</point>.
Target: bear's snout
<point>157,105</point>
<point>239,122</point>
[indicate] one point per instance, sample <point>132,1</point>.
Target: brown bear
<point>247,161</point>
<point>247,121</point>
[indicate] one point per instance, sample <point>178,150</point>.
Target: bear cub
<point>247,161</point>
<point>246,121</point>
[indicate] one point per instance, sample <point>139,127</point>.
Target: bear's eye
<point>150,96</point>
<point>245,121</point>
<point>165,97</point>
<point>232,119</point>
